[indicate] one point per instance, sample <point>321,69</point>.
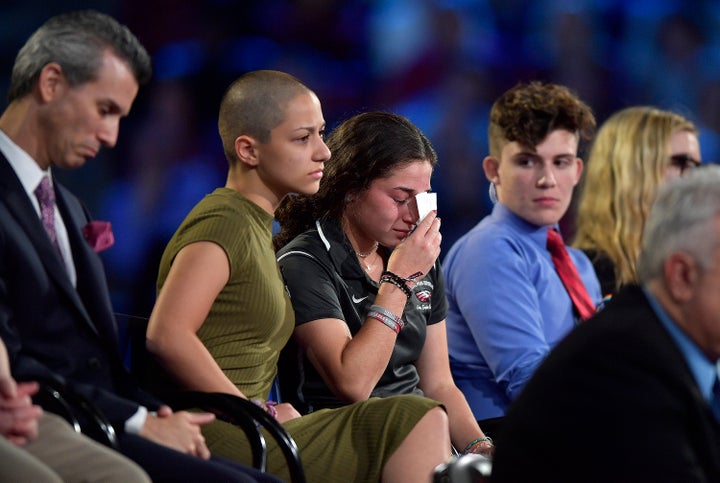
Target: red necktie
<point>46,197</point>
<point>569,275</point>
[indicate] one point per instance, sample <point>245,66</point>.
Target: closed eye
<point>108,109</point>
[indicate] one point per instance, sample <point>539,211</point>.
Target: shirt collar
<point>339,248</point>
<point>538,234</point>
<point>701,368</point>
<point>25,167</point>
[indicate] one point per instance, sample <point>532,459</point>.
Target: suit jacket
<point>614,401</point>
<point>53,330</point>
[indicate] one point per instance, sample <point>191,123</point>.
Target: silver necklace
<point>367,266</point>
<point>367,254</point>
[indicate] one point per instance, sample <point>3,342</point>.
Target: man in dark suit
<point>38,446</point>
<point>72,82</point>
<point>629,395</point>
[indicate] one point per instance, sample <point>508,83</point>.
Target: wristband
<point>378,316</point>
<point>386,317</point>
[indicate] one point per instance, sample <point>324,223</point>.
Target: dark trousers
<point>165,464</point>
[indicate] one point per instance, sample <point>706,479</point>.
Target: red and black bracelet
<point>399,282</point>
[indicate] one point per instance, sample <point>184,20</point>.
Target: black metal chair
<point>249,418</point>
<point>235,410</point>
<point>77,410</point>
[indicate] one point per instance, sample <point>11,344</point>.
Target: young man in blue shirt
<point>633,395</point>
<point>507,304</point>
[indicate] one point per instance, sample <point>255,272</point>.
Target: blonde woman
<point>635,151</point>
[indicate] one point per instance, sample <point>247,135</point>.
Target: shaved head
<point>254,105</point>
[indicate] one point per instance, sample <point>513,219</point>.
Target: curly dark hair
<point>364,148</point>
<point>527,113</point>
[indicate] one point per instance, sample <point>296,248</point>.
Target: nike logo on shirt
<point>358,300</point>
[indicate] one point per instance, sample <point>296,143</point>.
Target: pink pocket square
<point>99,235</point>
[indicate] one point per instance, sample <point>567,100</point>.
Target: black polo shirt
<point>325,280</point>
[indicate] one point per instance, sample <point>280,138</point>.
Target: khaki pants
<point>60,454</point>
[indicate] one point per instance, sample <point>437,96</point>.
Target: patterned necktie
<point>569,275</point>
<point>46,197</point>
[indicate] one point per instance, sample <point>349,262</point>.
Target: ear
<point>245,150</point>
<point>51,81</point>
<point>681,275</point>
<point>579,166</point>
<point>491,166</point>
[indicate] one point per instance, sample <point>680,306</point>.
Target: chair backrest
<point>240,412</point>
<point>288,378</point>
<point>133,328</point>
<point>249,418</point>
<point>77,410</point>
<point>146,370</point>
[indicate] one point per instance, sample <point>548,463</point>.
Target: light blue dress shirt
<point>507,307</point>
<point>703,370</point>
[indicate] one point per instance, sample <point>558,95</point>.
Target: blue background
<point>441,63</point>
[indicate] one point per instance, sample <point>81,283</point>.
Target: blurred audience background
<point>438,62</point>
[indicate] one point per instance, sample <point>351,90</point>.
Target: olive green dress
<point>248,324</point>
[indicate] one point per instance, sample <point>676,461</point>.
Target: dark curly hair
<point>364,148</point>
<point>527,113</point>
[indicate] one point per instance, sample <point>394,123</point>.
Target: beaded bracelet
<point>267,406</point>
<point>398,281</point>
<point>386,317</point>
<point>409,278</point>
<point>405,289</point>
<point>477,441</point>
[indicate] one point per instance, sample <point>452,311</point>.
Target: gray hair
<point>77,42</point>
<point>682,220</point>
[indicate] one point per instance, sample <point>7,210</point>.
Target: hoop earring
<point>492,192</point>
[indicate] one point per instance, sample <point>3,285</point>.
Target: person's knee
<point>436,420</point>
